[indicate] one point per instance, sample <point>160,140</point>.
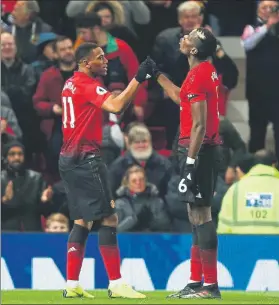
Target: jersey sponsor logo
<point>191,96</point>
<point>101,91</point>
<point>259,200</point>
<point>148,76</point>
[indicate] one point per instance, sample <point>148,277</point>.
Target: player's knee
<point>111,221</point>
<point>200,215</point>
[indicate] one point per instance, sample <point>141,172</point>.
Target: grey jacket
<point>5,100</point>
<point>9,115</point>
<point>135,11</point>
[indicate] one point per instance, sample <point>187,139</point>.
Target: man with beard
<point>47,100</point>
<point>140,152</point>
<point>25,195</point>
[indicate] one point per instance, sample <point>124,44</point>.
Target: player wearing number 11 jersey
<point>83,172</point>
<point>198,157</point>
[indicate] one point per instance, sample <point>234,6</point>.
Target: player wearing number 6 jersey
<point>81,168</point>
<point>198,157</point>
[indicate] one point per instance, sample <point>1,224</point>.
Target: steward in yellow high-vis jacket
<point>251,205</point>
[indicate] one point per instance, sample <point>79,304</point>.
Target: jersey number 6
<point>68,104</point>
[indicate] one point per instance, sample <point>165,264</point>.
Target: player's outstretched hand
<point>144,71</point>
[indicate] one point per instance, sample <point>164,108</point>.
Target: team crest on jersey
<point>101,91</point>
<point>214,76</point>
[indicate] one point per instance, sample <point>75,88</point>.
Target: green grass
<point>155,297</point>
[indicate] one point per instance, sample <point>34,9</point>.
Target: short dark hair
<point>265,157</point>
<point>206,43</point>
<point>88,20</point>
<point>246,162</point>
<point>84,50</point>
<point>59,39</point>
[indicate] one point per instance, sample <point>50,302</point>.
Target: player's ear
<point>194,51</point>
<point>86,64</point>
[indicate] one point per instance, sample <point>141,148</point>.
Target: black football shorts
<point>207,166</point>
<point>87,187</point>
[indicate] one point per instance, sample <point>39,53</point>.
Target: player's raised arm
<point>171,89</point>
<point>117,104</point>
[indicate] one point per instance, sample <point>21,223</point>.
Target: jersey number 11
<point>68,105</point>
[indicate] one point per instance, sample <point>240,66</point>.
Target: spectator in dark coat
<point>47,100</point>
<point>25,195</point>
<point>26,27</point>
<point>18,81</point>
<point>140,152</point>
<point>138,207</point>
<point>45,52</point>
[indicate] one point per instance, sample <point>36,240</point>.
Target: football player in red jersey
<point>198,154</point>
<point>83,172</point>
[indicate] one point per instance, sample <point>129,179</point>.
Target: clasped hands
<point>147,69</point>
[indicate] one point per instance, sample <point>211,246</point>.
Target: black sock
<point>194,236</point>
<point>207,236</point>
<point>78,234</point>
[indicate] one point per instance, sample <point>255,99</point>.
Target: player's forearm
<point>122,101</point>
<point>171,89</point>
<point>196,139</point>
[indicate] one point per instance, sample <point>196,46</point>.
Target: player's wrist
<point>190,161</point>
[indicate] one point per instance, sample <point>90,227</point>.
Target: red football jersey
<point>82,116</point>
<point>201,84</point>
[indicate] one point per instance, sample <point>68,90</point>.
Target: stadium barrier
<point>149,262</point>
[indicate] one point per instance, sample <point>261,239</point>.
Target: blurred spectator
<point>251,205</point>
<point>18,81</point>
<point>47,99</point>
<point>57,223</point>
<point>175,64</point>
<point>163,16</point>
<point>136,12</point>
<point>113,20</point>
<point>232,148</point>
<point>25,196</point>
<point>122,61</point>
<point>113,140</point>
<point>10,129</point>
<point>261,43</point>
<point>138,206</point>
<point>9,124</point>
<point>26,27</point>
<point>7,6</point>
<point>45,52</point>
<point>140,152</point>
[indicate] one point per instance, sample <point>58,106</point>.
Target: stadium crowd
<point>38,43</point>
